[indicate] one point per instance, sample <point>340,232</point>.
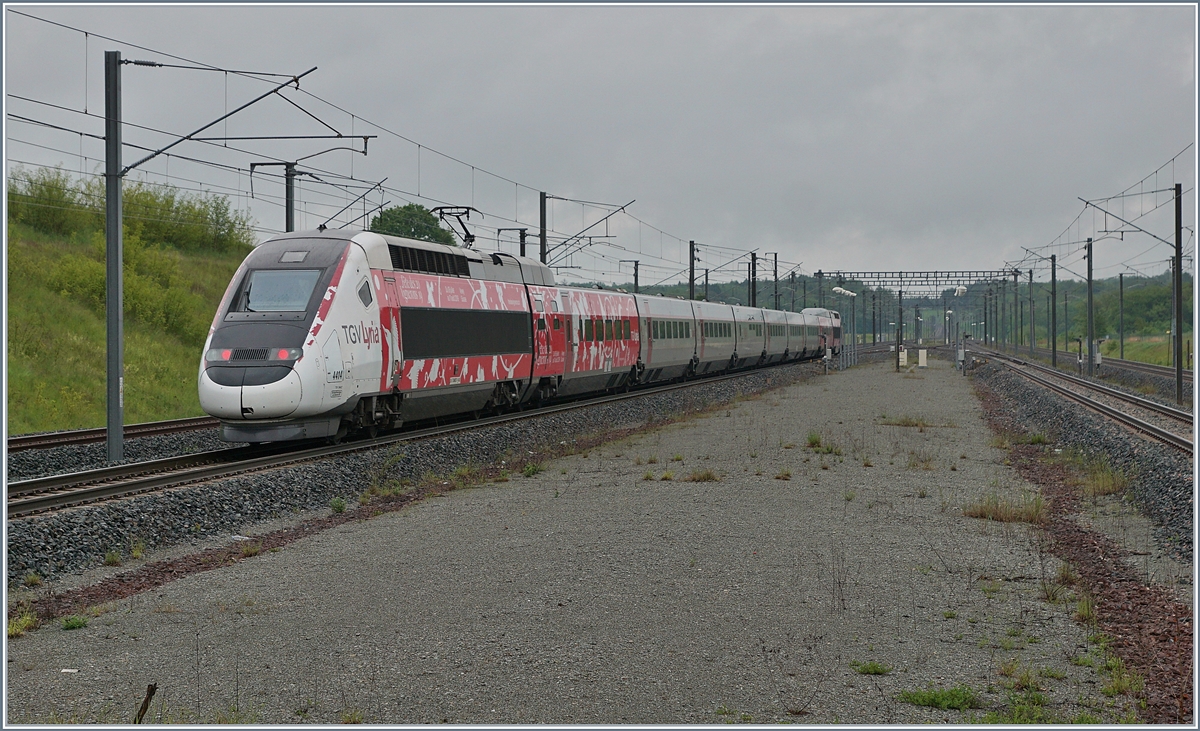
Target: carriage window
<point>587,331</point>
<point>364,293</point>
<point>278,290</point>
<point>541,323</point>
<point>554,305</point>
<point>628,334</point>
<point>608,334</point>
<point>537,304</point>
<point>687,329</point>
<point>557,326</point>
<point>599,331</point>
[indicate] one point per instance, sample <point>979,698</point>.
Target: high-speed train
<point>325,332</point>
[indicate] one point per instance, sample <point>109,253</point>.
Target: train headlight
<point>218,354</point>
<point>284,354</point>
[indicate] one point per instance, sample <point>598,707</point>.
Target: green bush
<point>48,200</point>
<point>53,201</point>
<point>154,289</point>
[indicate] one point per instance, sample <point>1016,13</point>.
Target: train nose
<point>264,392</point>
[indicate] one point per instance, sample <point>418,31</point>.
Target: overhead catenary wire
<point>259,76</point>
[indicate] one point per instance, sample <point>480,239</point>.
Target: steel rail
<point>61,491</point>
<point>23,442</point>
<point>1132,365</point>
<point>1162,409</point>
<point>1115,414</point>
<point>89,436</point>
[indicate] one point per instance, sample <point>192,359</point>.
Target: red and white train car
<point>321,332</point>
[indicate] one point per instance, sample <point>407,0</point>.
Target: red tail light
<point>285,354</point>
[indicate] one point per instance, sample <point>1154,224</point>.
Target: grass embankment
<point>1149,349</point>
<point>180,252</point>
<point>56,329</point>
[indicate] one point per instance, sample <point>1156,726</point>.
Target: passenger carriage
<point>669,350</point>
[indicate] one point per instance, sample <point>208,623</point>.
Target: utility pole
<point>521,231</point>
<point>542,237</point>
<point>1178,275</point>
<point>899,325</point>
<point>114,293</point>
<point>706,285</point>
<point>1067,317</point>
<point>289,196</point>
<point>873,339</point>
<point>753,279</point>
<point>1054,310</point>
<point>776,255</point>
<point>1091,333</point>
<point>805,303</point>
<point>1016,326</point>
<point>1121,312</point>
<point>691,270</point>
<point>946,329</point>
<point>634,262</point>
<point>793,288</point>
<point>987,309</point>
<point>820,290</point>
<point>1032,325</point>
<point>289,191</point>
<point>1001,307</point>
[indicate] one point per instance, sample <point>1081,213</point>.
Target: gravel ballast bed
<point>1161,476</point>
<point>79,538</point>
<point>28,464</point>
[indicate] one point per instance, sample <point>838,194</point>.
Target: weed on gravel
<point>1027,509</point>
<point>870,668</point>
<point>22,623</point>
<point>905,421</point>
<point>959,698</point>
<point>74,621</point>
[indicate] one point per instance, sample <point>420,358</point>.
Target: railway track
<point>47,440</point>
<point>56,492</point>
<point>1167,372</point>
<point>1072,387</point>
<point>91,436</point>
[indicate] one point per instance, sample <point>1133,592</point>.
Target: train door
<point>549,332</point>
<point>335,370</point>
<point>392,352</point>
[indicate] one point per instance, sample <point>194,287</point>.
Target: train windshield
<point>279,290</point>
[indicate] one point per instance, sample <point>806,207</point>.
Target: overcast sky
<point>854,138</point>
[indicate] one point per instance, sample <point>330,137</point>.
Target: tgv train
<point>325,332</point>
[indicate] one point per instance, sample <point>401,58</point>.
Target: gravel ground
<point>589,593</point>
<point>1162,482</point>
<point>72,540</point>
